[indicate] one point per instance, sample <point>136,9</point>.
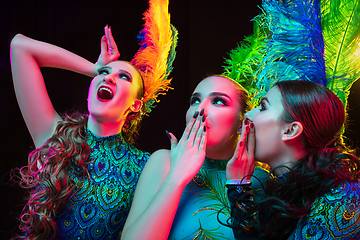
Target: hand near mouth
<point>242,164</point>
<point>188,155</point>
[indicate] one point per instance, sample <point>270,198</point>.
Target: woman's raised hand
<point>242,164</point>
<point>188,155</point>
<point>109,50</point>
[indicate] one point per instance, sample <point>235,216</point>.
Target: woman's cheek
<point>189,114</point>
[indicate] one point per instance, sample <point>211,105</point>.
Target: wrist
<point>176,180</point>
<point>238,182</point>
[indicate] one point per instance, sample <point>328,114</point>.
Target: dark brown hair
<point>327,164</point>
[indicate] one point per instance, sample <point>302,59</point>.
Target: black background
<point>208,30</point>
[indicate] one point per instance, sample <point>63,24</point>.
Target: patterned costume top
<point>334,215</point>
<point>202,199</point>
<point>100,205</point>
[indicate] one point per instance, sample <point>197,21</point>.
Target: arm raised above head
<point>27,56</point>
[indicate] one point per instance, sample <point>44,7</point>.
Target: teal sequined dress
<point>99,207</point>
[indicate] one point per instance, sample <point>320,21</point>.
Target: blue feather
<point>295,49</point>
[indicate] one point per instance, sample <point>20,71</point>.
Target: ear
<point>136,106</point>
<point>292,131</point>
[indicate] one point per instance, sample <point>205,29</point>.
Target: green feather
<point>244,59</point>
<point>341,30</point>
<point>172,53</point>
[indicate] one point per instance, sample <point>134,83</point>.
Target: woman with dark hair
<point>82,175</point>
<point>314,191</point>
<point>181,190</point>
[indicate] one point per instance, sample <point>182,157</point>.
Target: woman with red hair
<point>314,192</point>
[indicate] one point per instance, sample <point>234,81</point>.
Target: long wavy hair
<point>327,163</point>
<point>132,125</point>
<point>46,177</point>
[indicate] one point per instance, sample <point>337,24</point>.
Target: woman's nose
<point>202,108</point>
<point>109,80</point>
<point>250,115</point>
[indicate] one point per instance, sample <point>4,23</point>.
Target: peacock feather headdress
<point>154,59</point>
<point>310,40</point>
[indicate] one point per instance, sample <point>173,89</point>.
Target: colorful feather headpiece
<point>297,39</point>
<point>154,59</point>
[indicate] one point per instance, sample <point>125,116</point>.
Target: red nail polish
<point>251,125</point>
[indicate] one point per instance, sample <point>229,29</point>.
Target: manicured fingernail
<point>251,125</point>
<point>204,129</point>
<point>246,122</point>
<point>202,112</point>
<point>196,114</point>
<point>203,118</point>
<point>167,134</point>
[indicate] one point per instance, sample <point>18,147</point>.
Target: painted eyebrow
<point>106,67</point>
<point>213,94</point>
<point>265,99</point>
<point>195,95</point>
<point>217,94</point>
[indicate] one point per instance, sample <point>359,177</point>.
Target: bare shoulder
<point>161,155</point>
<point>159,162</point>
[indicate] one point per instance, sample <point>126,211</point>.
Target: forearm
<point>156,220</point>
<point>48,55</point>
<point>242,211</point>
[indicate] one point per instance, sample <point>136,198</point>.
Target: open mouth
<point>105,93</point>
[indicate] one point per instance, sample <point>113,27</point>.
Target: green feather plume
<point>246,57</point>
<point>287,45</point>
<point>341,30</point>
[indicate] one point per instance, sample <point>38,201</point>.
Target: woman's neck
<point>224,151</point>
<point>104,129</point>
<point>220,153</point>
<point>287,159</point>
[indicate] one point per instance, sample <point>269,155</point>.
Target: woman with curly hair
<point>314,192</point>
<point>82,175</point>
<point>77,174</point>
